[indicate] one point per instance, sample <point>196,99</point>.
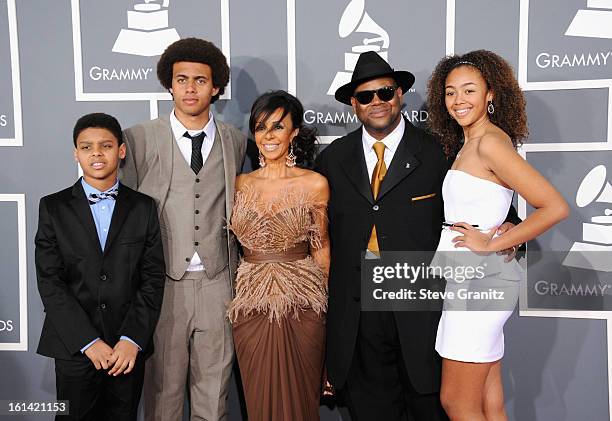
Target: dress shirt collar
<point>90,189</point>
<point>178,130</point>
<point>391,141</point>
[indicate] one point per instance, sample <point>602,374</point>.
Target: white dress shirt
<point>184,144</point>
<point>391,142</point>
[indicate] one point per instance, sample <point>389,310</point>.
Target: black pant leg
<point>374,389</point>
<point>121,394</point>
<point>421,407</point>
<point>378,386</point>
<point>79,383</point>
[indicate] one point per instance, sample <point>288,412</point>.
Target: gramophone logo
<point>597,234</point>
<point>568,49</point>
<point>593,22</point>
<point>148,33</point>
<point>356,20</point>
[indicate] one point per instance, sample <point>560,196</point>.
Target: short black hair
<point>97,121</point>
<point>194,50</point>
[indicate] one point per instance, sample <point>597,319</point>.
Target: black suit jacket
<point>87,292</point>
<point>417,169</point>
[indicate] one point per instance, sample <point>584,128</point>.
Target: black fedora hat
<point>371,66</point>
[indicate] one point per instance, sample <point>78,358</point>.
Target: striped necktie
<point>196,150</point>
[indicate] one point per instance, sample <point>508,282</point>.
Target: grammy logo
<point>596,235</point>
<point>148,32</point>
<point>592,23</point>
<point>356,19</point>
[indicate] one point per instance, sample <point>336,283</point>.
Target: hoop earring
<point>262,160</point>
<point>490,108</point>
<point>291,158</point>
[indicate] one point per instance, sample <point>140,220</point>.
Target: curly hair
<point>194,50</point>
<point>304,143</point>
<point>508,98</point>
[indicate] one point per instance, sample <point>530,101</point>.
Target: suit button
<point>197,180</point>
<point>197,195</point>
<point>375,207</point>
<point>197,212</point>
<point>196,244</point>
<point>103,277</point>
<point>103,306</point>
<point>197,227</point>
<point>187,259</point>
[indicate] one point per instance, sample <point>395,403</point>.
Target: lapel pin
<point>407,164</point>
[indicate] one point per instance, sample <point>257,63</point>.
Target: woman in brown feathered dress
<point>278,313</point>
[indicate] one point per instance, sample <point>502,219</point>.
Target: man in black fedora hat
<point>385,180</point>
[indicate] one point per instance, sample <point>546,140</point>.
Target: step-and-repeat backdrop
<point>62,59</point>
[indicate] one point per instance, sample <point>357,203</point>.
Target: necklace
<point>462,141</point>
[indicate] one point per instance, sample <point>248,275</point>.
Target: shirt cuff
<point>88,345</point>
<point>128,339</point>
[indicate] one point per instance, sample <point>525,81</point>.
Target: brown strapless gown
<point>278,313</point>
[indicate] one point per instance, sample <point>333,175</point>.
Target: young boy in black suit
<point>100,270</point>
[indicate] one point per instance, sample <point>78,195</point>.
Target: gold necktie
<point>377,177</point>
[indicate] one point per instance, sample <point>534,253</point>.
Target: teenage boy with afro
<point>188,160</point>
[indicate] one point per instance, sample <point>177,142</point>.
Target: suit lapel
<point>164,138</point>
<point>404,160</point>
<point>120,213</point>
<point>356,168</point>
<point>229,166</point>
<point>80,205</point>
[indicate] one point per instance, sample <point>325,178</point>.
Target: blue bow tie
<point>94,198</point>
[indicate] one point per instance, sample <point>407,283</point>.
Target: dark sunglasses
<point>384,94</point>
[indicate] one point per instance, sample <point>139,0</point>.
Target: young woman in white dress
<point>478,110</point>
